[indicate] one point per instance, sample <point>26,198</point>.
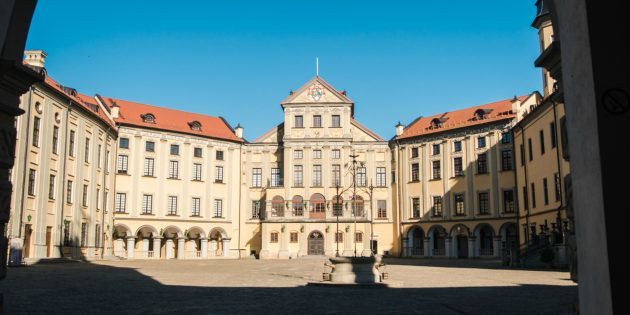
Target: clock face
<point>316,92</point>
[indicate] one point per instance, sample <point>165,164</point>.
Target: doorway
<point>27,240</point>
<point>462,246</point>
<point>48,241</point>
<point>316,243</point>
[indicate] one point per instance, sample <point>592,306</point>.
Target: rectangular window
<point>83,234</point>
<point>437,173</point>
<point>105,201</point>
<point>98,155</point>
<point>339,237</point>
<point>257,177</point>
<point>533,196</point>
<point>298,154</point>
<point>381,206</point>
<point>71,144</point>
<point>293,237</point>
<point>436,149</point>
<point>121,203</point>
<point>198,152</point>
<point>361,177</point>
<point>336,121</point>
<point>458,167</point>
<point>173,169</point>
<point>437,206</point>
<point>256,209</point>
<point>218,208</point>
<point>298,122</point>
<point>484,203</point>
<point>556,182</point>
<point>508,201</point>
<point>97,236</point>
<point>149,167</point>
<point>317,175</point>
<point>336,154</point>
<point>107,161</point>
<point>336,175</point>
<point>123,143</point>
<point>51,187</point>
<point>55,140</point>
<point>275,177</point>
<point>273,237</point>
<point>414,153</point>
<point>525,198</point>
<point>545,191</point>
<point>481,142</point>
<point>31,182</point>
<point>552,132</point>
<point>542,142</point>
<point>457,146</point>
<point>69,192</point>
<point>506,138</point>
<point>298,176</point>
<point>196,175</point>
<point>460,205</point>
<point>317,121</point>
<point>36,123</point>
<point>67,241</point>
<point>219,155</point>
<point>195,211</point>
<point>529,147</point>
<point>415,172</point>
<point>358,237</point>
<point>317,154</point>
<point>482,164</point>
<point>506,160</point>
<point>87,150</point>
<point>149,146</point>
<point>415,207</point>
<point>380,177</point>
<point>85,196</point>
<point>98,198</point>
<point>122,164</point>
<point>522,155</point>
<point>218,174</point>
<point>174,149</point>
<point>147,204</point>
<point>172,205</point>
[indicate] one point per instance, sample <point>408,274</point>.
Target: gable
<point>274,135</point>
<point>316,91</point>
<point>361,133</point>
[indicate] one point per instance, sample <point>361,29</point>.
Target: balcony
<point>308,214</point>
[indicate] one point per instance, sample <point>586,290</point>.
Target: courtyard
<point>281,286</point>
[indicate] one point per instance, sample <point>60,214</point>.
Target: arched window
<point>195,125</point>
<point>298,206</point>
<point>358,206</point>
<point>318,203</point>
<point>277,206</point>
<point>148,118</point>
<point>337,203</point>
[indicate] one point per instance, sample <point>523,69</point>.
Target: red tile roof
<point>171,120</point>
<point>496,111</point>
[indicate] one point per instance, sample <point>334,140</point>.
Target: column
<point>427,248</point>
<point>213,247</point>
<point>406,250</point>
<point>284,251</point>
<point>169,248</point>
<point>348,249</point>
<point>119,247</point>
<point>145,248</point>
<point>204,248</point>
<point>497,247</point>
<point>302,251</point>
<point>131,244</point>
<point>226,246</point>
<point>471,247</point>
<point>448,247</point>
<point>264,241</point>
<point>367,252</point>
<point>157,241</point>
<point>180,247</point>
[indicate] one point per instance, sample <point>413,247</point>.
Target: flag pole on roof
<point>317,66</point>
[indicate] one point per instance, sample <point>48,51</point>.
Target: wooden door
<point>316,243</point>
<point>27,241</point>
<point>462,246</point>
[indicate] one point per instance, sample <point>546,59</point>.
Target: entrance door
<point>316,243</point>
<point>462,246</point>
<point>27,240</point>
<point>48,241</point>
<point>374,247</point>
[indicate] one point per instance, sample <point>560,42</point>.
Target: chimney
<point>35,58</point>
<point>516,104</point>
<point>115,110</point>
<point>399,129</point>
<point>239,131</point>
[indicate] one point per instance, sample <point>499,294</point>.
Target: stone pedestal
<point>355,270</point>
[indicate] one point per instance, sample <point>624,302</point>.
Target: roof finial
<point>317,66</point>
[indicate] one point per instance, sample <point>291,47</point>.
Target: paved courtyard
<point>248,286</point>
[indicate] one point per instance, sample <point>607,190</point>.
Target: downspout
<point>398,197</point>
<point>104,201</point>
<point>65,173</point>
<point>24,192</point>
<point>240,197</point>
<point>555,135</point>
<point>526,188</point>
<point>518,211</point>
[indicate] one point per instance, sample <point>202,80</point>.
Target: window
<point>506,160</point>
<point>85,196</point>
<point>533,196</point>
<point>414,153</point>
<point>36,123</point>
<point>298,122</point>
<point>71,145</point>
<point>149,166</point>
<point>506,138</point>
<point>196,207</point>
<point>218,176</point>
<point>508,201</point>
<point>69,192</point>
<point>436,170</point>
<point>317,175</point>
<point>256,209</point>
<point>317,121</point>
<point>87,150</point>
<point>83,234</point>
<point>277,207</point>
<point>148,118</point>
<point>121,203</point>
<point>336,154</point>
<point>51,187</point>
<point>275,177</point>
<point>552,132</point>
<point>196,175</point>
<point>381,206</point>
<point>482,164</point>
<point>172,205</point>
<point>298,176</point>
<point>542,142</point>
<point>105,194</point>
<point>149,146</point>
<point>380,177</point>
<point>173,169</point>
<point>529,147</point>
<point>195,125</point>
<point>257,177</point>
<point>219,155</point>
<point>484,204</point>
<point>415,172</point>
<point>458,167</point>
<point>98,155</point>
<point>218,208</point>
<point>293,237</point>
<point>317,154</point>
<point>336,121</point>
<point>436,149</point>
<point>273,237</point>
<point>361,177</point>
<point>457,146</point>
<point>67,241</point>
<point>358,237</point>
<point>55,140</point>
<point>415,207</point>
<point>545,191</point>
<point>339,237</point>
<point>98,198</point>
<point>525,198</point>
<point>123,143</point>
<point>522,155</point>
<point>298,154</point>
<point>437,206</point>
<point>97,236</point>
<point>31,182</point>
<point>556,182</point>
<point>460,205</point>
<point>336,175</point>
<point>174,149</point>
<point>107,161</point>
<point>298,206</point>
<point>198,152</point>
<point>147,204</point>
<point>318,203</point>
<point>481,142</point>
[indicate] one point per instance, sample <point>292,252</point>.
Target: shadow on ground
<point>460,263</point>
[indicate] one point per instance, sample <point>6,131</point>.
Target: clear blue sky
<point>239,59</point>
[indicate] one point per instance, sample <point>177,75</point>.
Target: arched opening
<point>316,243</point>
<point>486,240</point>
<point>145,245</point>
<point>318,207</point>
<point>509,239</point>
<point>438,241</point>
<point>170,246</point>
<point>337,204</point>
<point>120,235</point>
<point>277,206</point>
<point>416,239</point>
<point>194,243</point>
<point>460,234</point>
<point>358,206</point>
<point>219,243</point>
<point>297,206</point>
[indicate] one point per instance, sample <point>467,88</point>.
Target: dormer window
<point>195,125</point>
<point>480,114</point>
<point>436,123</point>
<point>148,118</point>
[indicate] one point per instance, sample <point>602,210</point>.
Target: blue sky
<point>239,59</point>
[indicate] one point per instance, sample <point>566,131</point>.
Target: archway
<point>509,239</point>
<point>416,237</point>
<point>437,235</point>
<point>297,206</point>
<point>120,235</point>
<point>277,206</point>
<point>316,243</point>
<point>172,243</point>
<point>145,247</point>
<point>195,242</point>
<point>460,234</point>
<point>219,243</point>
<point>485,237</point>
<point>318,207</point>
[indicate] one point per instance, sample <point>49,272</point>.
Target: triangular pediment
<point>274,135</point>
<point>317,91</point>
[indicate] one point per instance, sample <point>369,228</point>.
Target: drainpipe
<point>555,135</point>
<point>104,201</point>
<point>64,181</point>
<point>398,197</point>
<point>240,197</point>
<point>526,188</point>
<point>27,143</point>
<point>516,205</point>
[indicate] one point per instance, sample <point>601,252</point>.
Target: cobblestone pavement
<point>248,286</point>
